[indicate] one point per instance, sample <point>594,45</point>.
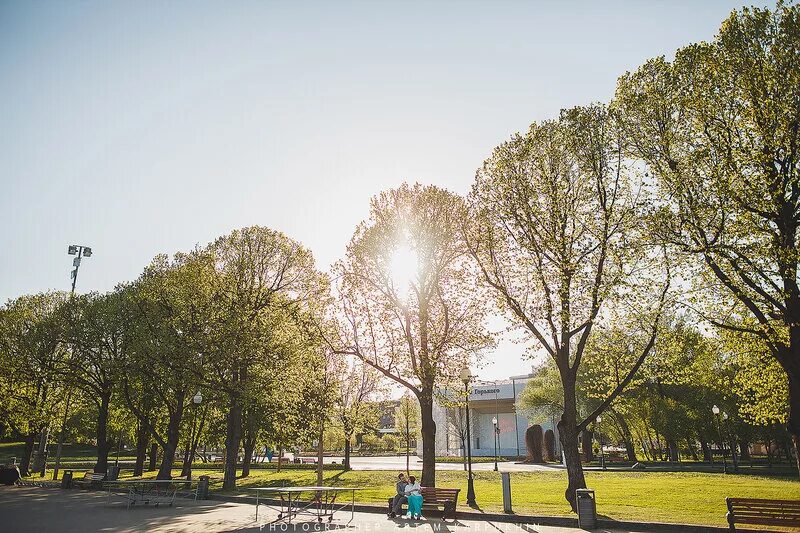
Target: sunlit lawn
<point>695,498</point>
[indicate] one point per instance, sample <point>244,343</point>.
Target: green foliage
<point>718,129</point>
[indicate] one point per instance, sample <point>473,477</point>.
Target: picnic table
<point>147,491</point>
<point>318,502</point>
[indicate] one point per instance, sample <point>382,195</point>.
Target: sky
<point>140,128</point>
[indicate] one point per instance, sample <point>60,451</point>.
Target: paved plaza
<point>34,509</point>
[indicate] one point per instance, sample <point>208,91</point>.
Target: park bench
<point>435,497</point>
<point>305,460</point>
<point>763,512</point>
<point>91,480</point>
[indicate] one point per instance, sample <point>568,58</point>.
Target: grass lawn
<point>690,498</point>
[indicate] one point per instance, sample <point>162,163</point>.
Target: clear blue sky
<point>146,127</point>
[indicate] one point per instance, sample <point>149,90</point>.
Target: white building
<point>488,400</point>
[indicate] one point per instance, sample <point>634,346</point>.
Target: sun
<point>404,268</point>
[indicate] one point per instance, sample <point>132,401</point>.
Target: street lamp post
<point>197,399</point>
<point>600,440</point>
<point>715,410</point>
<point>80,251</point>
<point>466,377</point>
<point>496,432</point>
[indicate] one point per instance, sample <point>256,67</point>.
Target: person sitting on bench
<point>400,496</point>
<point>414,496</point>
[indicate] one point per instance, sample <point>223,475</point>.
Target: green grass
<point>688,498</point>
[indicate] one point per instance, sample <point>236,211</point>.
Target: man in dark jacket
<point>400,496</point>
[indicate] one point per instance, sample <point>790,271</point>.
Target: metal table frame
<point>321,503</point>
<point>156,491</point>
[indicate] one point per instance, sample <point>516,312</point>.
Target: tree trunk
<point>793,424</point>
<point>185,468</point>
<point>173,434</point>
<point>627,436</point>
<point>734,456</point>
<point>347,452</point>
<point>142,439</point>
<point>428,437</point>
<point>249,445</point>
<point>197,433</point>
<point>27,452</point>
<point>41,460</point>
<point>233,436</point>
<point>691,448</point>
<point>768,444</point>
<point>572,458</point>
<point>672,449</point>
<point>586,445</point>
<point>103,446</point>
<point>280,457</point>
<point>568,435</point>
<point>744,450</point>
<point>153,457</point>
<point>707,457</point>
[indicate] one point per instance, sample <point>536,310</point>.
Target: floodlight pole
<point>72,250</point>
<point>77,264</point>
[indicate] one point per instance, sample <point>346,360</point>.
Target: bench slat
<point>763,512</point>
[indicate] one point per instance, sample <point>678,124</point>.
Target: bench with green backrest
<point>752,511</point>
<point>435,497</point>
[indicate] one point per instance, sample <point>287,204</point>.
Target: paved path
<point>399,463</point>
<point>33,509</point>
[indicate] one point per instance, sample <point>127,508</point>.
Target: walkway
<point>32,509</point>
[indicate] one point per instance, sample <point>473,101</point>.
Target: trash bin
<point>587,509</point>
<point>506,480</point>
<point>66,479</point>
<point>202,488</point>
<point>112,474</point>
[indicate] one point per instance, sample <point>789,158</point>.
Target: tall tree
<point>718,128</point>
<point>30,349</point>
<point>406,423</point>
<point>408,305</point>
<point>169,303</point>
<point>258,270</point>
<point>94,328</point>
<point>358,383</point>
<point>558,234</point>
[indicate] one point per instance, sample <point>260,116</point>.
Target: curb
<point>559,521</point>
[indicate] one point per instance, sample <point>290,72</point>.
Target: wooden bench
<point>763,512</point>
<point>435,497</point>
<point>92,479</point>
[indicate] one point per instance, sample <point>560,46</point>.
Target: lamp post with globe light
<point>466,377</point>
<point>496,432</point>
